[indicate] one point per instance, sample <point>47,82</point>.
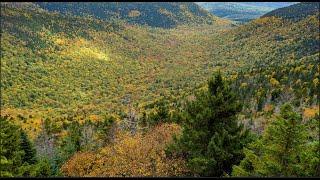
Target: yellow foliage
<point>137,155</point>
<point>94,118</point>
<point>267,21</point>
<point>298,69</point>
<point>63,133</point>
<point>79,49</point>
<point>32,123</point>
<point>316,81</point>
<point>60,41</point>
<point>244,85</point>
<point>165,12</point>
<point>311,112</point>
<point>274,82</point>
<point>80,164</point>
<point>134,13</point>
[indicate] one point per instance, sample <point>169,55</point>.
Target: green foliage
<point>67,146</point>
<point>296,11</point>
<point>11,152</point>
<point>81,137</point>
<point>212,141</point>
<point>52,70</point>
<point>28,148</point>
<point>104,129</point>
<point>42,169</point>
<point>160,114</point>
<point>294,83</point>
<point>168,14</point>
<point>120,63</point>
<point>66,149</point>
<point>283,150</point>
<point>18,155</point>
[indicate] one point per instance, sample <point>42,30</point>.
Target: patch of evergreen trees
<point>18,154</point>
<point>286,149</point>
<point>212,139</point>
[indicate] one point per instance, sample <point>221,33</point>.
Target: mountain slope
<point>105,91</point>
<point>296,11</point>
<point>52,68</point>
<point>103,66</point>
<point>155,14</point>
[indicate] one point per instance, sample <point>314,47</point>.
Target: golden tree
<point>130,155</point>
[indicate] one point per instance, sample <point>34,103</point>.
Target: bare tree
<point>130,122</point>
<point>45,142</point>
<point>87,136</point>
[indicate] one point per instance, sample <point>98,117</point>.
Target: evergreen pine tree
<point>10,150</point>
<point>212,141</point>
<point>283,150</point>
<point>28,148</point>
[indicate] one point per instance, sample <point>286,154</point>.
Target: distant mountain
<point>241,11</point>
<point>274,5</point>
<point>155,14</point>
<point>296,11</point>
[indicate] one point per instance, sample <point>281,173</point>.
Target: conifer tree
<point>10,151</point>
<point>28,148</point>
<point>212,141</point>
<point>283,150</point>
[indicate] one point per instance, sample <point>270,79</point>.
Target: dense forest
<point>155,14</point>
<point>296,12</point>
<point>158,89</point>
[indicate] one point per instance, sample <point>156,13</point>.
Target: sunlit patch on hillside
<point>82,49</point>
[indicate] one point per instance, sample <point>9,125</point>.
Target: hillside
<point>124,65</point>
<point>119,64</point>
<point>241,11</point>
<point>296,11</point>
<point>103,97</point>
<point>154,14</point>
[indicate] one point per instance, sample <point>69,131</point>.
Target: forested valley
<point>158,89</point>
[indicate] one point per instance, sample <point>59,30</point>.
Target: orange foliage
<point>80,164</point>
<point>310,112</point>
<point>268,108</point>
<point>137,155</point>
<point>95,118</point>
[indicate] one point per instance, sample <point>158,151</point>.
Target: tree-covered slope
<point>296,11</point>
<point>155,14</point>
<point>106,66</point>
<point>103,66</point>
<point>82,84</point>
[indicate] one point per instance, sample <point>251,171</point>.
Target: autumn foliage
<point>130,155</point>
<point>69,79</point>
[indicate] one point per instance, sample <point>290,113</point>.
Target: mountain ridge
<point>154,14</point>
<point>296,11</point>
<point>241,11</point>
